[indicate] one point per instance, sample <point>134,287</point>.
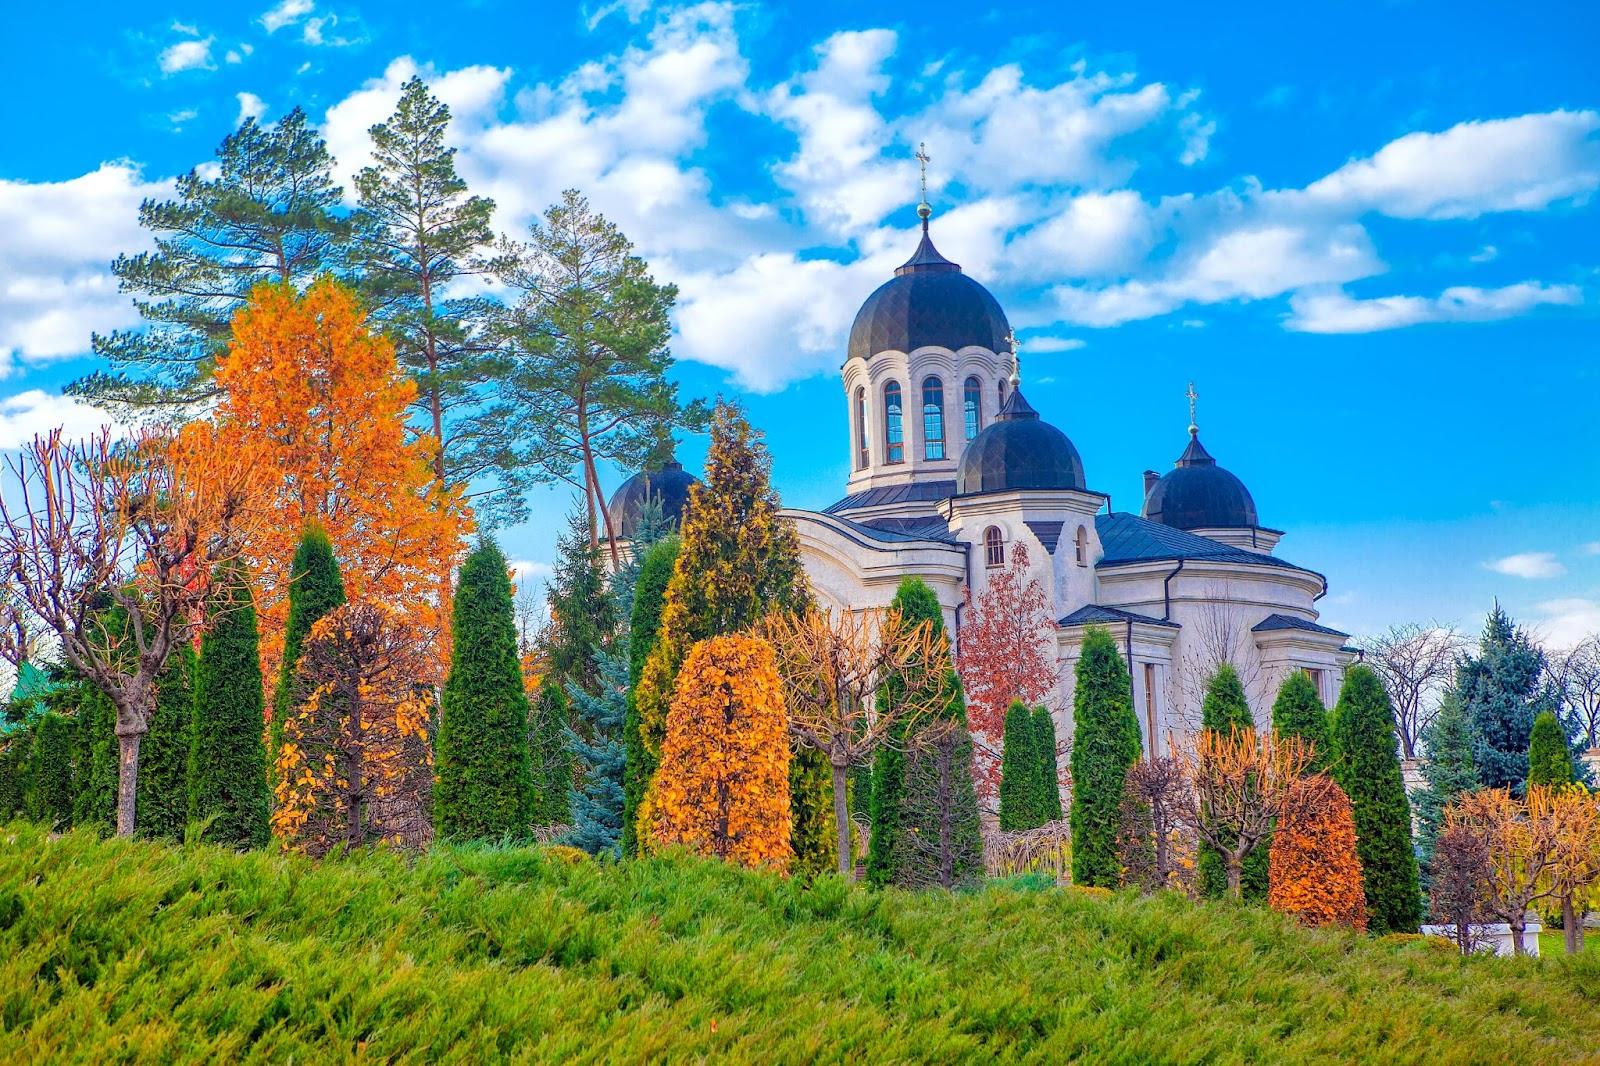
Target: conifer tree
<point>650,528</point>
<point>16,746</point>
<point>1315,874</point>
<point>485,784</point>
<point>1501,691</point>
<point>596,802</point>
<point>582,613</point>
<point>227,757</point>
<point>916,602</point>
<point>940,841</point>
<point>316,588</point>
<point>1105,745</point>
<point>655,571</point>
<point>163,802</point>
<point>1367,766</point>
<point>94,759</point>
<point>550,751</point>
<point>1549,756</point>
<point>812,835</point>
<point>1044,745</point>
<point>1448,772</point>
<point>49,785</point>
<point>1019,772</point>
<point>1298,712</point>
<point>1224,709</point>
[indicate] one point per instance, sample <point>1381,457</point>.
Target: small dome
<point>1019,450</point>
<point>1199,494</point>
<point>928,301</point>
<point>670,487</point>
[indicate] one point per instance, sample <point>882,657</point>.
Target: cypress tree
<point>1044,745</point>
<point>1223,710</point>
<point>1449,774</point>
<point>916,603</point>
<point>813,835</point>
<point>316,588</point>
<point>550,753</point>
<point>485,782</point>
<point>644,624</point>
<point>1019,772</point>
<point>1502,691</point>
<point>1105,744</point>
<point>50,784</point>
<point>163,794</point>
<point>940,841</point>
<point>227,756</point>
<point>1298,712</point>
<point>1367,766</point>
<point>596,804</point>
<point>94,760</point>
<point>15,748</point>
<point>1549,755</point>
<point>1225,707</point>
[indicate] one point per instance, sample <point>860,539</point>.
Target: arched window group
<point>932,418</point>
<point>894,437</point>
<point>972,407</point>
<point>862,458</point>
<point>994,549</point>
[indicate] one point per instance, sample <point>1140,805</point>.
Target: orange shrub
<point>1314,872</point>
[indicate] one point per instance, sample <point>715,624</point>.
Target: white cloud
<point>1591,548</point>
<point>1567,622</point>
<point>526,568</point>
<point>1514,164</point>
<point>318,31</point>
<point>250,106</point>
<point>178,118</point>
<point>35,412</point>
<point>1052,344</point>
<point>185,27</point>
<point>188,55</point>
<point>1096,234</point>
<point>1337,312</point>
<point>1531,565</point>
<point>286,13</point>
<point>633,9</point>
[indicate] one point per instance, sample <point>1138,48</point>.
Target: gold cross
<point>1193,396</point>
<point>923,159</point>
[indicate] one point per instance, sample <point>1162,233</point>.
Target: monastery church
<point>952,470</point>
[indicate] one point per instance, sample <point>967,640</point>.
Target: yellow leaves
<point>1315,873</point>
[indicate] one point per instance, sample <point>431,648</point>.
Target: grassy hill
<point>139,952</point>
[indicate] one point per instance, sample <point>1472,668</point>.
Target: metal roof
<point>1199,494</point>
<point>1094,612</point>
<point>1127,538</point>
<point>910,492</point>
<point>928,301</point>
<point>1289,621</point>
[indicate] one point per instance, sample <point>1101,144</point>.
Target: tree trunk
<point>1236,876</point>
<point>1517,923</point>
<point>841,817</point>
<point>127,780</point>
<point>1571,926</point>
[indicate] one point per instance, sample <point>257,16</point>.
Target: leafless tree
<point>1152,797</point>
<point>1212,636</point>
<point>1461,875</point>
<point>1416,663</point>
<point>1575,677</point>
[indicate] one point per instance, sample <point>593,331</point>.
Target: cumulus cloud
<point>35,412</point>
<point>188,55</point>
<point>1567,622</point>
<point>1531,565</point>
<point>1338,312</point>
<point>250,106</point>
<point>286,13</point>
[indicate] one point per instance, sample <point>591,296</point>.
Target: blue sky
<point>1368,233</point>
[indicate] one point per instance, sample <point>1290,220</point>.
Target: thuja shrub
<point>1314,873</point>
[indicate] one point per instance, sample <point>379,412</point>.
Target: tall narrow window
<point>1150,707</point>
<point>1316,682</point>
<point>972,406</point>
<point>994,549</point>
<point>1000,390</point>
<point>1083,546</point>
<point>932,418</point>
<point>862,458</point>
<point>894,436</point>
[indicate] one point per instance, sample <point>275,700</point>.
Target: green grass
<point>126,951</point>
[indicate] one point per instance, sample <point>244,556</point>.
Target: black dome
<point>670,485</point>
<point>1018,450</point>
<point>928,301</point>
<point>1199,494</point>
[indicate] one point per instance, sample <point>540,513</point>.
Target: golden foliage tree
<point>1315,874</point>
<point>355,766</point>
<point>1523,837</point>
<point>318,402</point>
<point>1239,783</point>
<point>723,784</point>
<point>1576,869</point>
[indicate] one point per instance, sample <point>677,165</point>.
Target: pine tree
<point>597,802</point>
<point>1449,773</point>
<point>1298,712</point>
<point>485,782</point>
<point>655,571</point>
<point>1549,755</point>
<point>1224,709</point>
<point>227,757</point>
<point>1366,765</point>
<point>1044,745</point>
<point>1105,744</point>
<point>316,588</point>
<point>1019,772</point>
<point>163,796</point>
<point>582,613</point>
<point>1501,691</point>
<point>550,752</point>
<point>50,785</point>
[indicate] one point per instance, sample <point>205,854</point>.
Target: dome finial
<point>1194,428</point>
<point>924,209</point>
<point>1016,359</point>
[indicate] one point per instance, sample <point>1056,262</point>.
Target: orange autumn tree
<point>1315,874</point>
<point>318,403</point>
<point>722,787</point>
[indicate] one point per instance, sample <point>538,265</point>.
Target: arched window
<point>1000,389</point>
<point>994,549</point>
<point>972,406</point>
<point>1083,546</point>
<point>932,418</point>
<point>862,458</point>
<point>894,437</point>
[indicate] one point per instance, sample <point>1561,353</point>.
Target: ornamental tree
<point>1223,709</point>
<point>164,774</point>
<point>550,750</point>
<point>596,799</point>
<point>1240,783</point>
<point>1576,868</point>
<point>315,588</point>
<point>1044,746</point>
<point>1549,755</point>
<point>723,785</point>
<point>1523,841</point>
<point>1367,766</point>
<point>1298,712</point>
<point>1315,874</point>
<point>1149,834</point>
<point>1448,772</point>
<point>49,787</point>
<point>1105,744</point>
<point>1459,885</point>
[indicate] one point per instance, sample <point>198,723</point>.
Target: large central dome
<point>928,301</point>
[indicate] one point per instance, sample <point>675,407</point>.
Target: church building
<point>953,470</point>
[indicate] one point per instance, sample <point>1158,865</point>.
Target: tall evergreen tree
<point>1224,709</point>
<point>1298,712</point>
<point>1105,744</point>
<point>597,801</point>
<point>650,591</point>
<point>485,782</point>
<point>1550,759</point>
<point>49,782</point>
<point>1019,772</point>
<point>1502,691</point>
<point>1367,766</point>
<point>227,756</point>
<point>813,833</point>
<point>1225,706</point>
<point>94,759</point>
<point>316,588</point>
<point>916,602</point>
<point>1044,745</point>
<point>163,796</point>
<point>1448,772</point>
<point>550,752</point>
<point>582,613</point>
<point>16,746</point>
<point>940,841</point>
<point>651,527</point>
<point>267,212</point>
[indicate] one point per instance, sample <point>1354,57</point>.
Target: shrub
<point>1298,712</point>
<point>1314,873</point>
<point>227,755</point>
<point>1105,744</point>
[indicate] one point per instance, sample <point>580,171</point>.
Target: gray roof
<point>928,301</point>
<point>911,492</point>
<point>1094,612</point>
<point>1127,538</point>
<point>1289,621</point>
<point>890,531</point>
